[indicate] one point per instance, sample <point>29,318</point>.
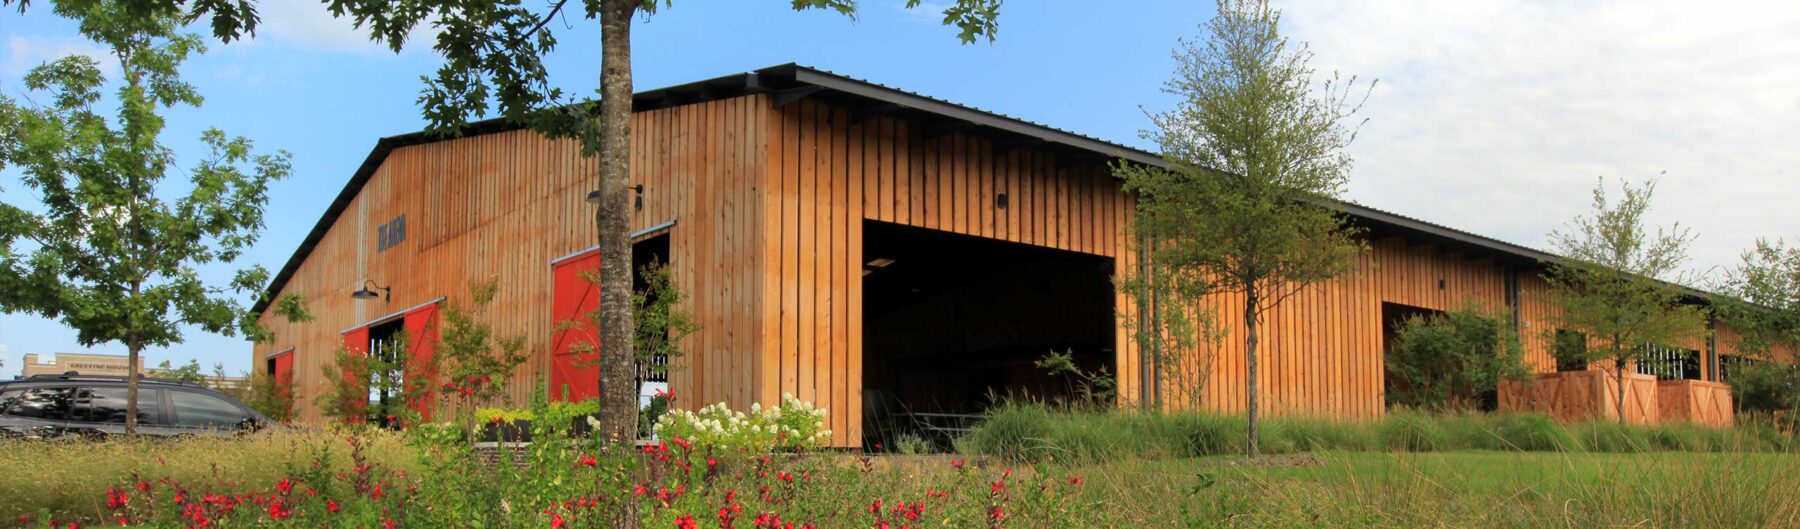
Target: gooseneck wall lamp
<point>367,293</point>
<point>637,203</point>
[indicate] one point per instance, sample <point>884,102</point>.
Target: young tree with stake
<point>1255,151</point>
<point>107,253</point>
<point>493,56</point>
<point>1615,285</point>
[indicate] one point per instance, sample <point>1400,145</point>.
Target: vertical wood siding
<point>830,175</point>
<point>503,205</point>
<point>770,203</point>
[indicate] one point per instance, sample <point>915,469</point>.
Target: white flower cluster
<point>793,424</point>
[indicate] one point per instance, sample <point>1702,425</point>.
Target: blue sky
<point>1493,117</point>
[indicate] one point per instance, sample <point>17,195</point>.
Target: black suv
<point>71,404</point>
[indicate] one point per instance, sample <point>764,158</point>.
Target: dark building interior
<point>953,322</point>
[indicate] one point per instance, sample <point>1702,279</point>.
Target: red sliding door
<point>575,343</point>
<point>421,340</point>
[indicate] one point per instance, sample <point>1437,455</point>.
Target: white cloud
<point>25,53</point>
<point>309,23</point>
<point>1496,117</point>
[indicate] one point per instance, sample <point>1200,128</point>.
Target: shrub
<point>1449,361</point>
<point>794,424</point>
<point>1764,387</point>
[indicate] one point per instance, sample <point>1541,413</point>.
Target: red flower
<point>331,506</point>
<point>956,463</point>
<point>376,494</point>
<point>277,511</point>
<point>557,522</point>
<point>875,506</point>
<point>143,486</point>
<point>1075,480</point>
<point>388,523</point>
<point>686,521</point>
<point>116,498</point>
<point>710,462</point>
<point>586,460</point>
<point>285,485</point>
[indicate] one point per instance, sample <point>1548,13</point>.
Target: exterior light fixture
<point>880,262</point>
<point>366,293</point>
<point>1000,200</point>
<point>593,197</point>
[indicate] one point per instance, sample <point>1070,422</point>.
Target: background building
<point>85,363</point>
<point>113,365</point>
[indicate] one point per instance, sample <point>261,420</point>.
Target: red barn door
<point>421,337</point>
<point>574,368</point>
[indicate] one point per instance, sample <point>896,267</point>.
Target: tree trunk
<point>1159,342</point>
<point>1620,366</point>
<point>132,348</point>
<point>1250,301</point>
<point>618,373</point>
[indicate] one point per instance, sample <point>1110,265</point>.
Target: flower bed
<point>725,480</point>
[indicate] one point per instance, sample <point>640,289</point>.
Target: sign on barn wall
<point>390,233</point>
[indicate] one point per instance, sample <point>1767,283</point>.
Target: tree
<point>186,373</point>
<point>230,19</point>
<point>1253,153</point>
<point>107,253</point>
<point>1169,329</point>
<point>1762,299</point>
<point>492,56</point>
<point>1612,286</point>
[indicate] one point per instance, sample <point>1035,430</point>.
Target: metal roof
<point>791,82</point>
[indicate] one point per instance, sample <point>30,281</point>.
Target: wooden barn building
<point>871,250</point>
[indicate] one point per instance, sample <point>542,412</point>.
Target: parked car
<point>76,405</point>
